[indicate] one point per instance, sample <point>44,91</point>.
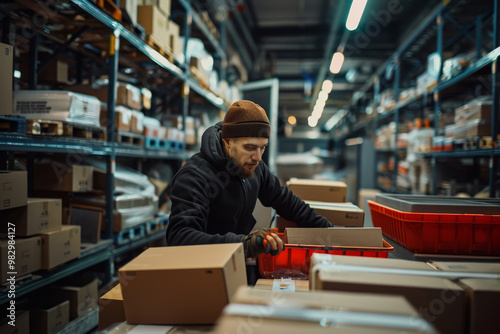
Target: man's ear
<point>227,142</point>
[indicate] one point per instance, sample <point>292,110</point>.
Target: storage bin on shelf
<point>439,233</point>
<point>294,261</point>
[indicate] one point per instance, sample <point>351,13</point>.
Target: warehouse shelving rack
<point>105,251</point>
<point>433,27</point>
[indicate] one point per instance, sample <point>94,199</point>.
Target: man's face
<point>246,152</point>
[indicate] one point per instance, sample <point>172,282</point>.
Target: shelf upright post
<point>397,87</point>
<point>33,65</point>
<point>114,43</point>
<point>437,95</point>
<point>495,114</point>
<point>223,45</point>
<point>188,20</point>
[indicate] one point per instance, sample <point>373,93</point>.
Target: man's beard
<point>244,173</point>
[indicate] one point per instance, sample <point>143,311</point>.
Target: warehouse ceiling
<point>294,40</point>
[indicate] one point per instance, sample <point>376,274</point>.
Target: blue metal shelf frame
<point>87,259</point>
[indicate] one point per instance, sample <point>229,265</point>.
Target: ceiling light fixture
<point>292,120</point>
<point>312,121</point>
<point>327,86</point>
<point>355,13</point>
<point>337,61</point>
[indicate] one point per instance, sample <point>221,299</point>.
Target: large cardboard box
<point>38,216</point>
<point>318,190</point>
<point>111,309</point>
<point>82,295</point>
<point>58,105</point>
<point>59,177</point>
<point>22,323</point>
<point>60,246</point>
<point>137,124</point>
<point>6,78</point>
<point>483,299</point>
<point>155,23</point>
<point>261,311</point>
<point>13,189</point>
<point>183,284</point>
<point>339,214</point>
<point>438,300</point>
<point>126,94</point>
<point>49,318</point>
<point>337,236</point>
<point>28,257</point>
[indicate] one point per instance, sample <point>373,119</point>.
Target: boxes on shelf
<point>58,105</point>
<point>28,257</point>
<point>38,216</point>
<point>111,309</point>
<point>476,109</point>
<point>81,293</point>
<point>123,119</point>
<point>58,177</point>
<point>152,127</point>
<point>163,5</point>
<point>146,96</point>
<point>339,214</point>
<point>129,9</point>
<point>181,285</point>
<point>49,317</point>
<point>60,246</point>
<point>271,311</point>
<point>126,94</point>
<point>13,189</point>
<point>318,190</point>
<point>155,23</point>
<point>294,260</point>
<point>6,78</point>
<point>56,71</point>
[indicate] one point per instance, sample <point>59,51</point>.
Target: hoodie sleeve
<point>287,204</point>
<point>190,210</point>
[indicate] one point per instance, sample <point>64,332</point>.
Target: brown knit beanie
<point>246,119</point>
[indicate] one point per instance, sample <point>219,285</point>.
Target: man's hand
<point>264,240</point>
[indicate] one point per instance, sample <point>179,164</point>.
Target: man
<point>215,192</point>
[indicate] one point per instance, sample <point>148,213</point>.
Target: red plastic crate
<point>439,233</point>
<point>294,261</point>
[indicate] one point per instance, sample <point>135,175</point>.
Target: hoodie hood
<point>211,147</point>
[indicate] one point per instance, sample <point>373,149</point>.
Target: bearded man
<point>214,194</point>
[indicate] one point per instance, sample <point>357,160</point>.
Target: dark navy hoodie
<point>212,204</point>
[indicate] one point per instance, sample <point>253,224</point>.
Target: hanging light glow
<point>355,13</point>
<point>327,86</point>
<point>292,120</point>
<point>337,61</point>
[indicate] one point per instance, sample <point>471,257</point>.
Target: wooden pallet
<point>129,235</point>
<point>478,143</point>
<point>163,144</point>
<point>110,8</point>
<point>14,123</point>
<point>40,127</point>
<point>162,49</point>
<point>129,138</point>
<point>79,131</point>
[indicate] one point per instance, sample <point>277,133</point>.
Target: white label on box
<point>285,285</point>
<point>150,329</point>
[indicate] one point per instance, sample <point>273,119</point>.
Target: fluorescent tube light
<point>337,61</point>
<point>355,13</point>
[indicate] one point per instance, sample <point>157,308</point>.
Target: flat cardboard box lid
<point>183,257</point>
<point>466,266</point>
<point>331,300</point>
<point>347,206</point>
<point>337,236</point>
<point>388,280</point>
<point>313,182</point>
<point>479,284</point>
<point>440,204</point>
<point>369,262</point>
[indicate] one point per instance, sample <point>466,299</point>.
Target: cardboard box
<point>363,196</point>
<point>111,308</point>
<point>49,318</point>
<point>129,8</point>
<point>38,216</point>
<point>82,295</point>
<point>474,267</point>
<point>337,236</point>
<point>59,177</point>
<point>483,300</point>
<point>146,96</point>
<point>318,190</point>
<point>60,246</point>
<point>127,95</point>
<point>263,311</point>
<point>22,323</point>
<point>123,118</point>
<point>56,72</point>
<point>13,189</point>
<point>267,284</point>
<point>28,257</point>
<point>163,5</point>
<point>339,214</point>
<point>155,23</point>
<point>438,300</point>
<point>137,124</point>
<point>183,284</point>
<point>6,78</point>
<point>58,105</point>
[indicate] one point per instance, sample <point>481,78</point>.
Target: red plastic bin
<point>439,233</point>
<point>294,261</point>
